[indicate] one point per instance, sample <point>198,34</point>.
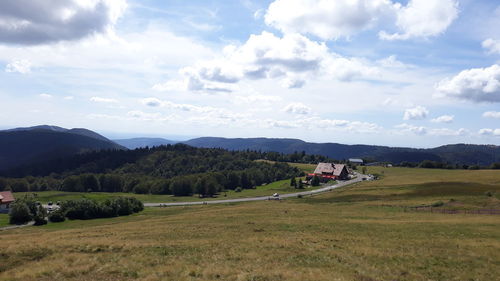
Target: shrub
<point>437,204</point>
<point>238,189</point>
<point>39,216</point>
<point>489,193</point>
<point>19,213</point>
<point>315,181</point>
<point>57,216</point>
<point>84,209</point>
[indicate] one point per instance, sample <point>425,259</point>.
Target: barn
<point>6,198</point>
<point>331,171</point>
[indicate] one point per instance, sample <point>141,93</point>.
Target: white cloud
<point>492,114</point>
<point>103,100</point>
<point>416,113</point>
<point>69,97</point>
<point>325,19</point>
<point>423,18</point>
<point>153,102</point>
<point>21,66</point>
<point>445,132</point>
<point>418,130</point>
<point>443,119</point>
<point>291,59</point>
<point>45,96</point>
<point>297,108</point>
<point>262,99</point>
<point>29,22</point>
<point>476,84</point>
<point>492,46</point>
<point>489,132</point>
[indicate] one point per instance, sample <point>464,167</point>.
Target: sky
<point>419,73</point>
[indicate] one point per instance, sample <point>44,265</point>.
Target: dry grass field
<point>357,233</point>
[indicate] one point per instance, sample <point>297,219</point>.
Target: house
<point>6,198</point>
<point>356,161</point>
<point>331,171</point>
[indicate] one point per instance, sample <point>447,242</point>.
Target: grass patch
<point>4,220</point>
<point>282,186</point>
<point>346,234</point>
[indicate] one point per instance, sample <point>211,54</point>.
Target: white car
<point>276,195</point>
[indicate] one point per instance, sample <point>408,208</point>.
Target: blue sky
<point>418,73</point>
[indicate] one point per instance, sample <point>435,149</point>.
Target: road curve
<point>261,198</point>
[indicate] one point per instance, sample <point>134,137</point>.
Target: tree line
<point>27,209</point>
<point>173,169</point>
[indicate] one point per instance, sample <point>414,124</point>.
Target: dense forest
<point>172,169</point>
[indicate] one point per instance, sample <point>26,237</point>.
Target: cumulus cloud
<point>45,96</point>
<point>32,22</point>
<point>297,108</point>
<point>476,84</point>
<point>492,114</point>
<point>423,18</point>
<point>445,132</point>
<point>325,19</point>
<point>443,119</point>
<point>416,113</point>
<point>492,46</point>
<point>153,102</point>
<point>489,132</point>
<point>103,100</point>
<point>291,59</point>
<point>418,130</point>
<point>20,66</point>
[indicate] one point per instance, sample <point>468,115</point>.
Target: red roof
<point>6,197</point>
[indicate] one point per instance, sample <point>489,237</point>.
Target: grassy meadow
<point>4,220</point>
<point>359,232</point>
<point>281,187</point>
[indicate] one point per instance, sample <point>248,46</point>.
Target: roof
<point>356,160</point>
<point>6,197</point>
<point>329,168</point>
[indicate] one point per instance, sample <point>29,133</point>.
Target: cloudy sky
<point>416,73</point>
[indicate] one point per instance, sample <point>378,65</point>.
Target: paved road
<point>261,198</point>
<point>17,226</point>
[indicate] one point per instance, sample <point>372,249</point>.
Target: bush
<point>315,181</point>
<point>57,216</point>
<point>238,189</point>
<point>39,216</point>
<point>437,204</point>
<point>84,209</point>
<point>19,213</point>
<point>489,193</point>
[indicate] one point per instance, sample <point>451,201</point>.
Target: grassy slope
<point>281,187</point>
<point>318,238</point>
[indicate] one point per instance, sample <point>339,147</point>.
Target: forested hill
<point>467,154</point>
<point>23,146</point>
<point>173,169</point>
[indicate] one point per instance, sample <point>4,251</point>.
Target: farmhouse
<point>328,171</point>
<point>6,198</point>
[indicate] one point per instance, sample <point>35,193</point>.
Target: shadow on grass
<point>434,189</point>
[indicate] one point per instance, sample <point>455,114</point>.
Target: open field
<point>353,233</point>
<point>281,187</point>
<point>4,220</point>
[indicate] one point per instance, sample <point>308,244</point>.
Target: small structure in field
<point>330,171</point>
<point>6,198</point>
<point>356,161</point>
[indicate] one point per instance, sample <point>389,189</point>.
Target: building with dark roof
<point>6,198</point>
<point>331,171</point>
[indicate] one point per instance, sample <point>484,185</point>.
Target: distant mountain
<point>455,154</point>
<point>143,142</point>
<point>21,146</point>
